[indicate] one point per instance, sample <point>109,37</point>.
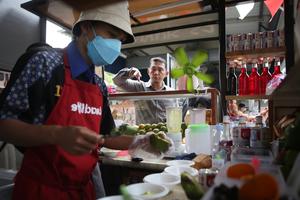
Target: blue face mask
<point>103,51</point>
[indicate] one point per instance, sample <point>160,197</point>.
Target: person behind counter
<point>150,111</point>
<point>56,107</point>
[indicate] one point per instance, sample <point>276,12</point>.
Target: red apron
<point>48,172</point>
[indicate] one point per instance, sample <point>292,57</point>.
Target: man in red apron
<point>61,150</point>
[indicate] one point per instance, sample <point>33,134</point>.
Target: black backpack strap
<point>18,67</point>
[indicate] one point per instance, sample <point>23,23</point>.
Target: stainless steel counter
<point>156,165</point>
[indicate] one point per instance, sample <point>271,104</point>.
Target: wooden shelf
<point>161,94</point>
<point>268,52</point>
<point>246,97</point>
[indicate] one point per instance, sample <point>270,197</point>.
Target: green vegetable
<point>125,193</point>
<point>126,129</point>
<point>191,187</point>
<point>115,131</point>
<point>159,143</point>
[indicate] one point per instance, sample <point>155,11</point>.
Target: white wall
<point>19,28</point>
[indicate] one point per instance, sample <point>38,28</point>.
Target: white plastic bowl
<point>165,179</point>
<point>109,152</point>
<point>180,163</point>
<point>115,197</point>
<point>177,170</point>
<point>147,191</point>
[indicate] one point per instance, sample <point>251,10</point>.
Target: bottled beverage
<point>231,81</point>
<point>254,81</point>
<point>243,81</point>
<point>226,138</point>
<point>241,134</point>
<point>218,157</point>
<point>276,68</point>
<point>259,121</point>
<point>256,133</point>
<point>265,77</point>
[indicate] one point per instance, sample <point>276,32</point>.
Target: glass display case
<point>150,107</point>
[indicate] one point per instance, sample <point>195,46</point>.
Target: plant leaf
<point>177,72</point>
<point>181,57</point>
<point>207,78</point>
<point>189,84</point>
<point>199,57</point>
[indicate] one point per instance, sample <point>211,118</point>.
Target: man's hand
<point>76,139</point>
<point>135,73</point>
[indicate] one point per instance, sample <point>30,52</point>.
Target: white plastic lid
<point>226,119</point>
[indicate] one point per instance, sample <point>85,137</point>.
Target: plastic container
<point>177,170</point>
<point>115,197</point>
<point>147,191</point>
<point>246,154</point>
<point>197,139</point>
<point>178,163</point>
<point>165,179</point>
<point>176,138</point>
<point>174,119</point>
<point>198,116</point>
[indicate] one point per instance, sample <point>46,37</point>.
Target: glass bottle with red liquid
<point>254,83</point>
<point>243,81</point>
<point>276,68</point>
<point>265,77</point>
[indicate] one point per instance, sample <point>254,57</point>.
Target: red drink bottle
<point>265,77</point>
<point>254,81</point>
<point>276,68</point>
<point>243,80</point>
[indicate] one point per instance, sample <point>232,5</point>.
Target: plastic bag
<point>274,83</point>
<point>141,148</point>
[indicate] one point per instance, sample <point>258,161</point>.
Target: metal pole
<point>289,23</point>
<point>222,50</point>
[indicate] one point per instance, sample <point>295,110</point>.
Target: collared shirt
<point>35,87</point>
<point>146,111</point>
<point>78,64</point>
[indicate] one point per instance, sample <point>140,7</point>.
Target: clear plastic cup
<point>198,115</point>
<point>174,119</point>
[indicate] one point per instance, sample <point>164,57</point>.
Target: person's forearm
<point>122,142</point>
<point>24,134</point>
<point>121,77</point>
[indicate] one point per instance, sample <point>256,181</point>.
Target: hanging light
<point>244,9</point>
